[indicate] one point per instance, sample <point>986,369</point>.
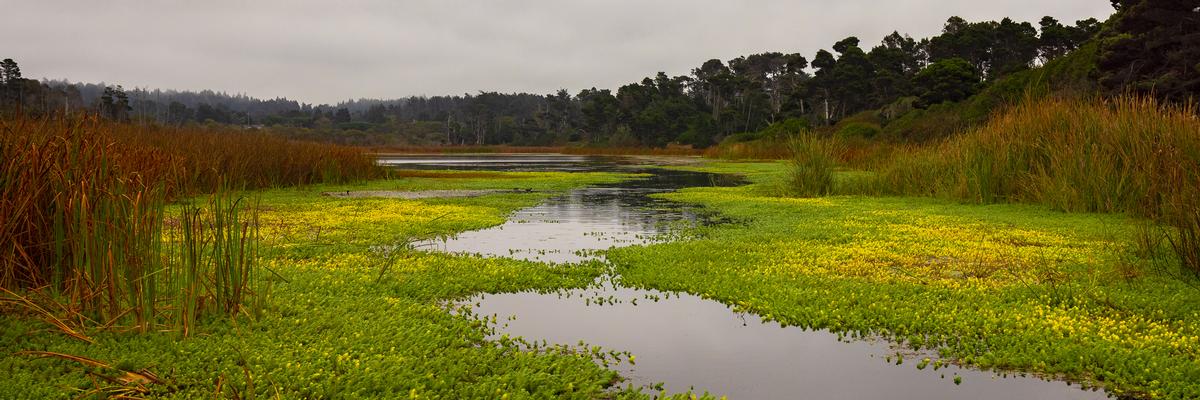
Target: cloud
<point>317,51</point>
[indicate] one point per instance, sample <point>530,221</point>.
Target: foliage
<point>749,150</point>
<point>858,130</point>
<point>948,80</point>
<point>1067,75</point>
<point>1152,48</point>
<point>1074,155</point>
<point>994,49</point>
<point>81,226</point>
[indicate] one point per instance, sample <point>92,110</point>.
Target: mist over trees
<point>717,100</point>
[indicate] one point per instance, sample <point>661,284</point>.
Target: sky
<point>329,51</point>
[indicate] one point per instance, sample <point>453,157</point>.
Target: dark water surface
<point>681,340</point>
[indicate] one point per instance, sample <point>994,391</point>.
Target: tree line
<point>721,98</point>
<point>718,99</point>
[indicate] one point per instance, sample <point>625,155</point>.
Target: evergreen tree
<point>947,80</point>
<point>1154,48</point>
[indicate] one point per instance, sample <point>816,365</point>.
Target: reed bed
<point>812,164</point>
<point>82,209</point>
<point>1128,154</point>
<point>1120,155</point>
<point>202,159</point>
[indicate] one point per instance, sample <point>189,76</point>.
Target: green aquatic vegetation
<point>756,171</point>
<point>339,324</point>
<point>1009,287</point>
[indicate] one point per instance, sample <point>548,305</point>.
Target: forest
<point>898,78</point>
<point>718,100</point>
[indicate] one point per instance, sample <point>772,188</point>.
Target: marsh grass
<point>1121,155</point>
<point>812,164</point>
<point>213,260</point>
<point>82,207</point>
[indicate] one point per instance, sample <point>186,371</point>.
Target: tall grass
<point>202,159</point>
<point>213,260</point>
<point>82,205</point>
<point>1125,154</point>
<point>1122,155</point>
<point>812,163</point>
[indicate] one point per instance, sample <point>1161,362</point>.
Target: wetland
<point>595,277</point>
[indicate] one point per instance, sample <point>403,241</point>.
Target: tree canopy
<point>1153,47</point>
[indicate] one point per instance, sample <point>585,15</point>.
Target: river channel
<point>680,341</point>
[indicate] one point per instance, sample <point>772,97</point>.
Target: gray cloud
<point>329,51</point>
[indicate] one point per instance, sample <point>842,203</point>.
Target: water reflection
<point>685,341</point>
<point>572,227</point>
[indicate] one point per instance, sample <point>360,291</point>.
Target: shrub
<point>859,130</point>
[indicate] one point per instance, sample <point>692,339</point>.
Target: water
<point>572,227</point>
<point>681,340</point>
<point>685,341</point>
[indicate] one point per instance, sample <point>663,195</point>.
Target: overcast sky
<point>326,51</point>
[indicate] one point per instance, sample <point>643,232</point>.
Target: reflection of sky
<point>587,219</point>
<point>688,341</point>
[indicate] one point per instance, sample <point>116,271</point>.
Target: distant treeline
<point>717,100</point>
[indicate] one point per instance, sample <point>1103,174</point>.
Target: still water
<point>683,341</point>
<point>573,227</point>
